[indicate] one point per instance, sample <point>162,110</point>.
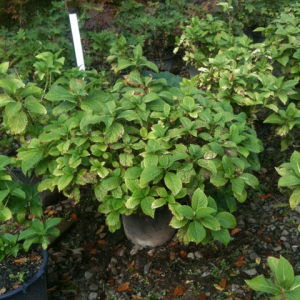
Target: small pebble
<point>135,250</point>
<point>147,268</point>
<point>113,261</point>
<point>250,272</point>
<point>253,256</point>
<point>151,252</point>
<point>88,275</point>
<point>284,232</point>
<point>93,296</point>
<point>191,255</point>
<point>198,254</point>
<point>278,248</point>
<point>93,287</point>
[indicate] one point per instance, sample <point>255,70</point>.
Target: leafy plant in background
<point>284,286</point>
<point>202,39</point>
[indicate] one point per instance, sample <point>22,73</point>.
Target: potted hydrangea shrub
<point>140,145</point>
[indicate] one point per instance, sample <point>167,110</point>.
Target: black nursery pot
<point>147,232</point>
<point>35,288</point>
<point>164,64</point>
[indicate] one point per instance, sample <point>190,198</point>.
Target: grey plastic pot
<point>164,64</point>
<point>193,71</point>
<point>35,288</point>
<point>147,232</point>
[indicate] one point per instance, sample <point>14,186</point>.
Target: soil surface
<point>88,262</point>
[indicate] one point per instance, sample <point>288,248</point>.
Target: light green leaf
<point>173,182</point>
<point>211,223</point>
<point>226,219</point>
<point>149,174</point>
<point>261,284</point>
<point>295,198</point>
<point>199,199</point>
<point>197,231</point>
<point>186,211</point>
<point>58,93</point>
<point>64,181</point>
<point>133,173</point>
<point>204,212</point>
<point>221,235</point>
<point>146,205</point>
<point>250,179</point>
<point>33,105</point>
<point>114,133</point>
<point>238,185</point>
<point>295,162</point>
<point>5,214</point>
<point>284,273</point>
<point>288,180</point>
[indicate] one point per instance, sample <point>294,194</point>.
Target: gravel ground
<point>90,263</point>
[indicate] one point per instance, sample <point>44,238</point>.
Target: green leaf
<point>173,182</point>
<point>113,218</point>
<point>58,93</point>
<point>33,105</point>
<point>199,199</point>
<point>133,173</point>
<point>221,235</point>
<point>295,162</point>
<point>3,195</point>
<point>123,64</point>
<point>114,133</point>
<point>175,223</point>
<point>288,180</point>
<point>64,181</point>
<point>204,212</point>
<point>274,119</point>
<point>12,109</point>
<point>284,273</point>
<point>18,123</point>
<point>150,97</point>
<point>146,205</point>
<point>295,198</point>
<point>228,166</point>
<point>149,174</point>
<point>226,219</point>
<point>4,67</point>
<point>5,214</point>
<point>186,211</point>
<point>294,291</point>
<point>52,222</point>
<point>261,284</point>
<point>238,185</point>
<point>210,222</point>
<point>250,179</point>
<point>197,231</point>
<point>208,164</point>
<point>110,183</point>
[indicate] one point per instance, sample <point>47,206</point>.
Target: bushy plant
<point>140,145</point>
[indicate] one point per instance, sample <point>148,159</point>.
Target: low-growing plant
<point>284,286</point>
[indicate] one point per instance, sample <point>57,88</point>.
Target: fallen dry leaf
<point>179,291</point>
<point>202,297</point>
<point>240,261</point>
<point>101,242</point>
<point>74,217</point>
<point>100,230</point>
<point>2,291</point>
<point>223,283</point>
<point>35,258</point>
<point>20,260</point>
<point>182,254</point>
<point>172,255</point>
<point>265,196</point>
<point>131,266</point>
<point>157,272</point>
<point>137,297</point>
<point>218,287</point>
<point>94,251</point>
<point>267,239</point>
<point>111,282</point>
<point>89,246</point>
<point>235,231</point>
<point>261,231</point>
<point>123,287</point>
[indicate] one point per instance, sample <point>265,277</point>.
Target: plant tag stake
<point>76,41</point>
